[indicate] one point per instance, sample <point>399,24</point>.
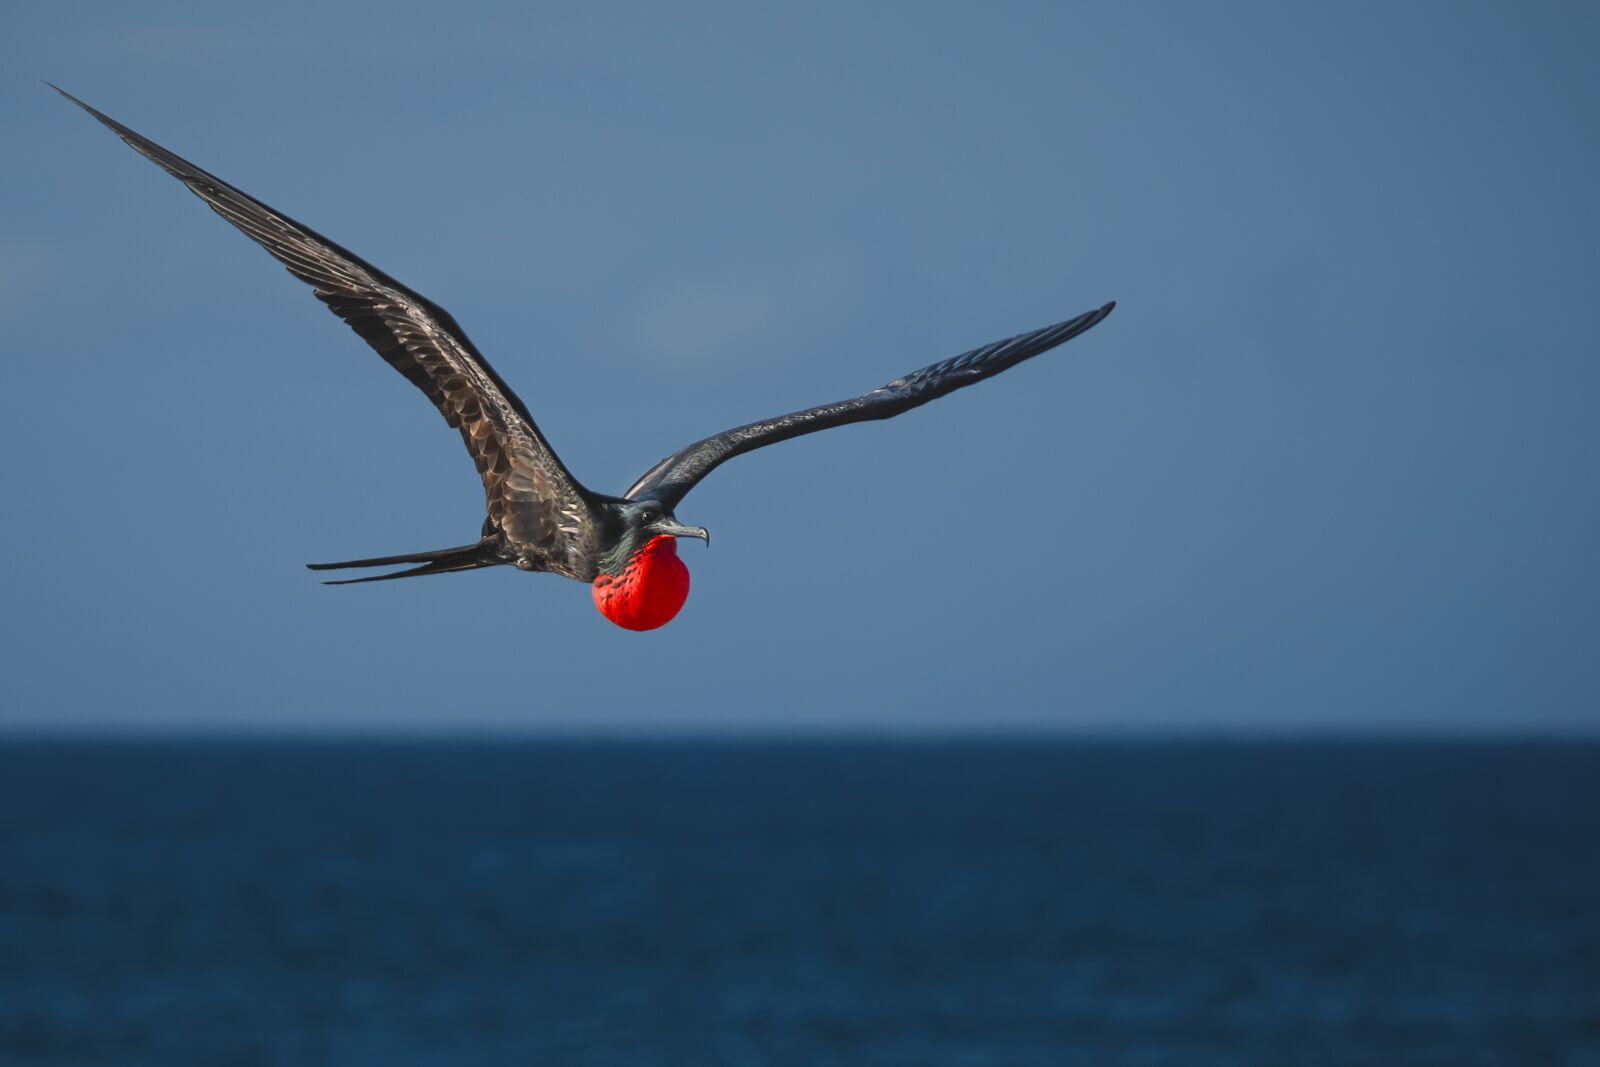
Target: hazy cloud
<point>28,266</point>
<point>716,314</point>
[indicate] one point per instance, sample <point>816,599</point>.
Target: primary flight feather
<point>539,517</point>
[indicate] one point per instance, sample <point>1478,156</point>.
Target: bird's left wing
<point>531,497</point>
<point>674,476</point>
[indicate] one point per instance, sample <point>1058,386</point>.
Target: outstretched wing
<point>531,496</point>
<point>674,476</point>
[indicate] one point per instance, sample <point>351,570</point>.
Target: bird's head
<point>642,583</point>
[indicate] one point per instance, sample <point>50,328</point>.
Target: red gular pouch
<point>649,591</point>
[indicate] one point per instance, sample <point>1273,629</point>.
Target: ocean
<point>615,904</point>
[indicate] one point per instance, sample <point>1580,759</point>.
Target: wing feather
<point>669,480</point>
<point>531,498</point>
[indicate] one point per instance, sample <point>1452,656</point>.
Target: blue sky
<point>1330,466</point>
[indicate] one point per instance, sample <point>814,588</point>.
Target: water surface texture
<point>839,903</point>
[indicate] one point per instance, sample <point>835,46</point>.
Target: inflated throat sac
<point>649,591</point>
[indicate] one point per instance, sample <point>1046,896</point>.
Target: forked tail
<point>439,561</point>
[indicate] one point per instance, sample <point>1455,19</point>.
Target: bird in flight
<point>541,518</point>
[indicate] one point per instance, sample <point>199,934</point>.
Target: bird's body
<point>539,517</point>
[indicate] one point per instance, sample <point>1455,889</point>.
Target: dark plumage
<point>539,517</point>
<point>674,476</point>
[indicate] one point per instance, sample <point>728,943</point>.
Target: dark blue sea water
<point>882,904</point>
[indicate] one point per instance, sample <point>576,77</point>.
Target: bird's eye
<point>649,515</point>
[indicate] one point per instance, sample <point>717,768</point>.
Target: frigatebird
<point>541,518</point>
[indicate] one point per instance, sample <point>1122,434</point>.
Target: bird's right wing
<point>531,497</point>
<point>674,476</point>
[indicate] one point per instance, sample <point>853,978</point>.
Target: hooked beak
<point>677,529</point>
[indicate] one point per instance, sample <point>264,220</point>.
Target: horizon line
<point>259,733</point>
